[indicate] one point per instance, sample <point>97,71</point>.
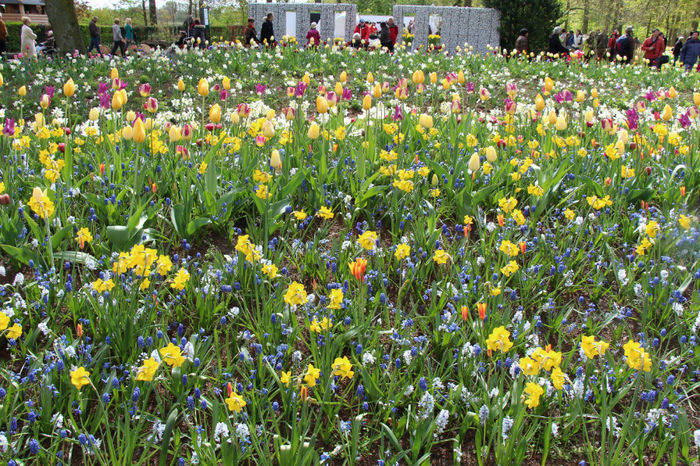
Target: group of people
<point>120,41</point>
<point>365,35</point>
<point>28,45</point>
<point>618,47</point>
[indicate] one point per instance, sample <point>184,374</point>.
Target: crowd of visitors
<point>618,47</point>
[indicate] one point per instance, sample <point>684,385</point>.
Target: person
<point>313,37</point>
<point>188,25</point>
<point>363,30</point>
<point>393,29</point>
<point>3,38</point>
<point>677,47</point>
<point>385,37</point>
<point>267,32</point>
<point>589,45</point>
<point>624,46</point>
<point>521,43</point>
<point>181,42</point>
<point>577,40</point>
<point>250,36</point>
<point>356,41</point>
<point>94,36</point>
<point>601,44</point>
<point>199,35</point>
<point>411,26</point>
<point>653,47</point>
<point>555,47</point>
<point>129,34</point>
<point>611,44</point>
<point>690,51</point>
<point>48,47</point>
<point>118,39</point>
<point>28,39</point>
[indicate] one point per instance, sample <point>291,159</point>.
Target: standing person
<point>677,47</point>
<point>118,39</point>
<point>28,39</point>
<point>522,46</point>
<point>385,37</point>
<point>313,37</point>
<point>199,35</point>
<point>94,36</point>
<point>363,30</point>
<point>250,36</point>
<point>611,44</point>
<point>129,34</point>
<point>3,38</point>
<point>555,47</point>
<point>624,46</point>
<point>589,45</point>
<point>653,47</point>
<point>189,24</point>
<point>690,51</point>
<point>601,44</point>
<point>577,40</point>
<point>267,32</point>
<point>393,29</point>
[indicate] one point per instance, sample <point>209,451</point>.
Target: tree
<point>152,13</point>
<point>538,16</point>
<point>64,22</point>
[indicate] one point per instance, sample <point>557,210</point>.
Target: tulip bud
<point>275,160</point>
<point>370,77</point>
<point>667,113</point>
<point>580,96</point>
<point>38,121</point>
<point>215,113</point>
<point>226,83</point>
<point>491,154</point>
<point>289,113</point>
<point>433,77</point>
<point>596,103</point>
<point>548,84</point>
<point>539,103</point>
<point>151,105</point>
<point>174,134</point>
<point>122,96</point>
<point>552,117</point>
<point>45,101</point>
<point>235,119</point>
<point>696,99</point>
<point>139,134</point>
<point>367,102</point>
<point>623,136</point>
<point>113,73</point>
<point>2,80</point>
<point>22,91</point>
<point>338,88</point>
<point>321,104</point>
<point>377,91</point>
<point>306,79</point>
<point>426,121</point>
<point>314,131</point>
<point>343,77</point>
<point>672,93</point>
<point>435,179</point>
<point>4,199</point>
<point>418,77</point>
<point>180,85</point>
<point>268,129</point>
<point>69,88</point>
<point>460,77</point>
<point>561,123</point>
<point>127,132</point>
<point>94,114</point>
<point>474,162</point>
<point>588,116</point>
<point>203,87</point>
<point>186,132</point>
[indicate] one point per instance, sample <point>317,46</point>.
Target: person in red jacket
<point>313,37</point>
<point>611,44</point>
<point>393,29</point>
<point>363,30</point>
<point>653,47</point>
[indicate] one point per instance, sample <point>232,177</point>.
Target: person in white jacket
<point>28,39</point>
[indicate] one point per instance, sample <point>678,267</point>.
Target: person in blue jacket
<point>690,51</point>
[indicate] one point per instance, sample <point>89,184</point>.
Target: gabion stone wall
<point>258,11</point>
<point>477,27</point>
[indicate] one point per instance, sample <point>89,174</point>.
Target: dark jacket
<point>521,44</point>
<point>385,37</point>
<point>555,46</point>
<point>690,52</point>
<point>94,31</point>
<point>250,35</point>
<point>677,47</point>
<point>267,32</point>
<point>601,42</point>
<point>624,46</point>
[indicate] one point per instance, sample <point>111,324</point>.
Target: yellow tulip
<point>426,121</point>
<point>338,88</point>
<point>130,115</point>
<point>433,77</point>
<point>127,132</point>
<point>460,77</point>
<point>474,162</point>
<point>226,83</point>
<point>548,84</point>
<point>377,91</point>
<point>215,113</point>
<point>306,79</point>
<point>44,101</point>
<point>552,117</point>
<point>491,154</point>
<point>343,77</point>
<point>235,118</point>
<point>321,104</point>
<point>275,160</point>
<point>38,121</point>
<point>22,91</point>
<point>268,129</point>
<point>435,180</point>
<point>69,88</point>
<point>588,116</point>
<point>696,98</point>
<point>370,77</point>
<point>667,113</point>
<point>2,80</point>
<point>314,131</point>
<point>174,134</point>
<point>418,77</point>
<point>139,134</point>
<point>270,115</point>
<point>203,87</point>
<point>94,114</point>
<point>116,101</point>
<point>561,123</point>
<point>539,103</point>
<point>672,93</point>
<point>580,96</point>
<point>114,74</point>
<point>367,102</point>
<point>623,136</point>
<point>122,96</point>
<point>596,102</point>
<point>594,93</point>
<point>180,85</point>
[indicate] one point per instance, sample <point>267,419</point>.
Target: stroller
<point>48,47</point>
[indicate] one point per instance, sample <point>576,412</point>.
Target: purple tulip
<point>471,87</point>
<point>684,120</point>
<point>398,113</point>
<point>49,90</point>
<point>105,100</point>
<point>632,119</point>
<point>259,88</point>
<point>9,128</point>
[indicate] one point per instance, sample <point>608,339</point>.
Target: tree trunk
<point>152,12</point>
<point>189,8</point>
<point>584,25</point>
<point>64,22</point>
<point>143,10</point>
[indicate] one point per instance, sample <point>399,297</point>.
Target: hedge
<point>141,33</point>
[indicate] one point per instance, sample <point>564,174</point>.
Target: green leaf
<point>167,433</point>
<point>74,256</point>
<point>20,255</point>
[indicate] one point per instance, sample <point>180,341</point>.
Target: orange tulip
<point>481,307</point>
<point>358,267</point>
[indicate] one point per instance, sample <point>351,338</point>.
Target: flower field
<point>327,256</point>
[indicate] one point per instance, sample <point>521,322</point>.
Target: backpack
<point>621,45</point>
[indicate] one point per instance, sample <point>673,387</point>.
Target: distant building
<point>34,9</point>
